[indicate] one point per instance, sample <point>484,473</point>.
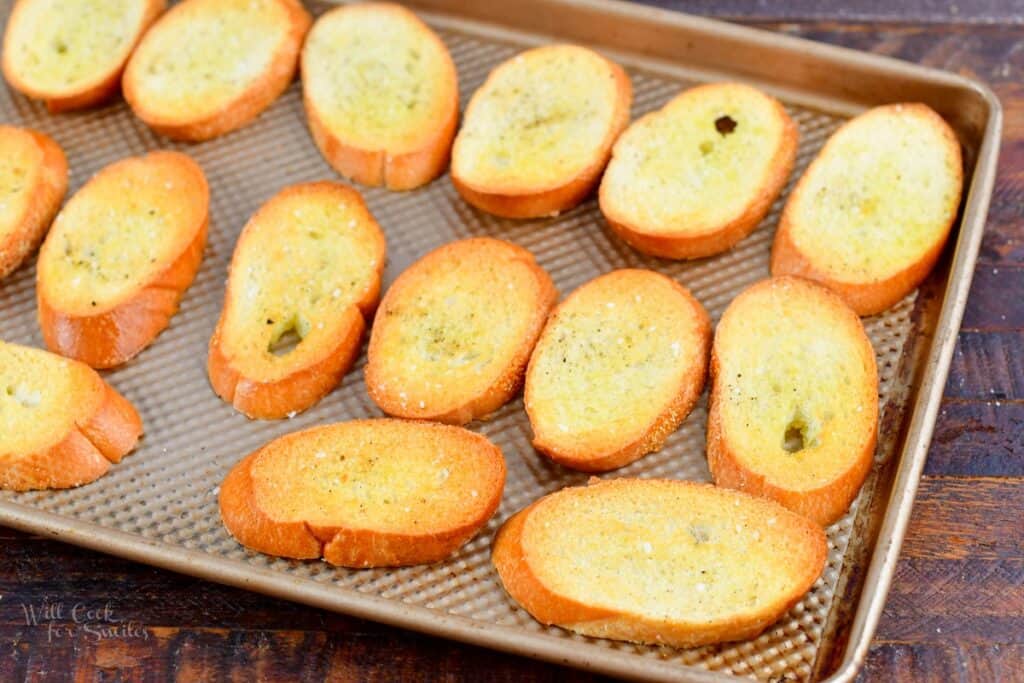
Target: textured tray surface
<point>167,490</point>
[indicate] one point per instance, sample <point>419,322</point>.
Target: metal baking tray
<point>159,506</point>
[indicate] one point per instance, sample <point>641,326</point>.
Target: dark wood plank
<point>988,366</point>
<point>978,439</point>
<point>939,11</point>
<point>996,301</point>
<point>911,663</point>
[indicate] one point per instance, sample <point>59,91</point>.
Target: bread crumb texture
<point>696,164</point>
<point>307,256</point>
<point>796,384</point>
<point>60,46</point>
<point>378,77</point>
<point>614,356</point>
<point>21,160</point>
<point>538,121</point>
<point>882,193</point>
<point>120,230</point>
<point>203,54</point>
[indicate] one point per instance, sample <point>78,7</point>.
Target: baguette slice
<point>618,367</point>
<point>61,425</point>
<point>368,493</point>
<point>120,255</point>
<point>870,216</point>
<point>794,398</point>
<point>209,67</point>
<point>381,95</point>
<point>455,331</point>
<point>657,561</point>
<point>70,53</point>
<point>539,131</point>
<point>697,176</point>
<point>308,264</point>
<point>33,180</point>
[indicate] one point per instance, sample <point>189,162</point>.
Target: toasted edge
<point>724,237</point>
<point>42,207</point>
<point>356,548</point>
<point>554,200</point>
<point>115,336</point>
<point>827,503</point>
<point>381,167</point>
<point>551,608</point>
<point>866,298</point>
<point>663,426</point>
<point>504,388</point>
<point>246,106</point>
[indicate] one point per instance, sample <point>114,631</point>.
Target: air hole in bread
<point>797,436</point>
<point>287,340</point>
<point>725,125</point>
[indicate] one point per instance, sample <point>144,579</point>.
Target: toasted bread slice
<point>455,331</point>
<point>119,256</point>
<point>794,398</point>
<point>307,265</point>
<point>619,365</point>
<point>33,180</point>
<point>381,94</point>
<point>659,562</point>
<point>208,67</point>
<point>70,53</point>
<point>61,425</point>
<point>368,493</point>
<point>870,216</point>
<point>538,132</point>
<point>697,176</point>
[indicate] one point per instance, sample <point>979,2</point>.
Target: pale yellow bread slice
<point>381,95</point>
<point>119,256</point>
<point>538,133</point>
<point>871,214</point>
<point>208,67</point>
<point>33,180</point>
<point>698,175</point>
<point>616,370</point>
<point>308,266</point>
<point>794,398</point>
<point>61,425</point>
<point>661,562</point>
<point>455,331</point>
<point>71,53</point>
<point>367,493</point>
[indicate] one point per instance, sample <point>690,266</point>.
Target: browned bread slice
<point>537,134</point>
<point>794,398</point>
<point>455,331</point>
<point>381,94</point>
<point>61,425</point>
<point>208,67</point>
<point>120,255</point>
<point>619,365</point>
<point>70,53</point>
<point>870,216</point>
<point>697,176</point>
<point>307,266</point>
<point>368,493</point>
<point>33,180</point>
<point>659,562</point>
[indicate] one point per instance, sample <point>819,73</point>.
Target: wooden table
<point>956,610</point>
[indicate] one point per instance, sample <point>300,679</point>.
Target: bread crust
<point>825,504</point>
<point>533,202</point>
<point>119,332</point>
<point>404,170</point>
<point>108,430</point>
<point>345,546</point>
<point>51,183</point>
<point>100,89</point>
<point>551,608</point>
<point>501,391</point>
<point>722,237</point>
<point>655,435</point>
<point>309,383</point>
<point>246,106</point>
<point>865,297</point>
